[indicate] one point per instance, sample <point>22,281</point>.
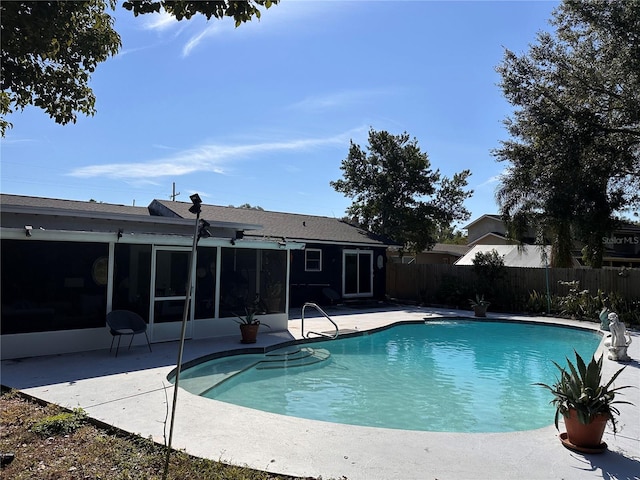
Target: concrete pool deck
<point>131,392</point>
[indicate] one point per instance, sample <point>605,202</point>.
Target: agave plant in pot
<point>249,325</point>
<point>585,403</point>
<point>479,305</point>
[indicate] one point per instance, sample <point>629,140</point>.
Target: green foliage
<point>450,236</point>
<point>479,301</point>
<point>452,292</point>
<point>488,268</point>
<point>628,310</point>
<point>538,302</point>
<point>573,152</point>
<point>579,387</point>
<point>61,423</point>
<point>250,314</point>
<point>396,194</point>
<point>580,303</point>
<point>248,206</point>
<point>49,51</point>
<point>241,12</point>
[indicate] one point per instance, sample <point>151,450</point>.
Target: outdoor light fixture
<point>203,231</point>
<point>233,241</point>
<point>27,230</point>
<point>120,232</point>
<point>200,229</point>
<point>197,201</point>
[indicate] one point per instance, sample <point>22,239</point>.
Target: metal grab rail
<point>309,304</point>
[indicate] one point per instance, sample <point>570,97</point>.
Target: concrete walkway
<point>131,392</point>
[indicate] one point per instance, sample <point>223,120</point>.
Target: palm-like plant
<point>579,388</point>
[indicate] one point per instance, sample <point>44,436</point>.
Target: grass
<point>52,443</point>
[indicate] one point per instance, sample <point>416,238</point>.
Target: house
<point>441,253</point>
<point>488,232</point>
<point>513,255</point>
<point>65,264</point>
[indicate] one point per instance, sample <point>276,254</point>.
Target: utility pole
<point>174,194</point>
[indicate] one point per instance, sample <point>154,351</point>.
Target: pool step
<point>293,357</point>
<point>201,380</point>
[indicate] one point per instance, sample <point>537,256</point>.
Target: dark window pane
<point>53,285</point>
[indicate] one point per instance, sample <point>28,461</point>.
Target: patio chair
<point>126,322</point>
<point>331,294</point>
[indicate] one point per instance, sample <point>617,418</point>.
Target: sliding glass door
<point>357,276</point>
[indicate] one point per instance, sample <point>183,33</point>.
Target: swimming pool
<point>448,375</point>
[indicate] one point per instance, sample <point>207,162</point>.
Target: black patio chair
<point>331,294</point>
<point>126,322</point>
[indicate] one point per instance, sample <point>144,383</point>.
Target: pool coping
<point>131,392</point>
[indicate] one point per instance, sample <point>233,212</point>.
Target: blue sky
<point>263,113</point>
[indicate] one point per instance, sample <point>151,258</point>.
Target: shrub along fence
<point>572,291</point>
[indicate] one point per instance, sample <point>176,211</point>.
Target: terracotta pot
<point>249,332</point>
<point>480,310</point>
<point>589,435</point>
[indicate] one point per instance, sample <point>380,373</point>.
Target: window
<point>313,260</point>
<point>49,286</point>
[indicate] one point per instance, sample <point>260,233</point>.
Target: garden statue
<point>620,340</point>
<point>604,319</point>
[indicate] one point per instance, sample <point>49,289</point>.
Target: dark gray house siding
<point>309,286</point>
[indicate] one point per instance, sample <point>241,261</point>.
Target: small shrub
<point>61,423</point>
<point>537,302</point>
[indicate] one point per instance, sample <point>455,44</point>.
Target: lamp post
<point>200,231</point>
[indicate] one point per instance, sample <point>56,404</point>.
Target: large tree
<point>396,193</point>
<point>574,151</point>
<point>50,49</point>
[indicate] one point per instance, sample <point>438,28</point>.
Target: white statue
<point>620,340</point>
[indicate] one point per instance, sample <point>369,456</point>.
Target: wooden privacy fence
<point>434,282</point>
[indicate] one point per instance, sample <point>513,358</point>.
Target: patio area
<point>132,392</point>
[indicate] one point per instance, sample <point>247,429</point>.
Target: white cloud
<point>493,180</point>
<point>204,158</point>
<point>160,21</point>
<point>340,99</point>
<point>211,30</point>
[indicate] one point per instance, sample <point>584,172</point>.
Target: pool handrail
<point>321,334</point>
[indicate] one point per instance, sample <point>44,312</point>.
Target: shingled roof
<point>41,203</point>
<point>291,226</point>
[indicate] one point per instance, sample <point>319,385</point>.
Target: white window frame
<point>306,260</point>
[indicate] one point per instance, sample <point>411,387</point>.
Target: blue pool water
<point>453,376</point>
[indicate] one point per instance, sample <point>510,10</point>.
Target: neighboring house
<point>622,247</point>
<point>513,255</point>
<point>441,253</point>
<point>65,264</point>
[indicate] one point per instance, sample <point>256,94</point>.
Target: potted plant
<point>585,403</point>
<point>479,306</point>
<point>249,325</point>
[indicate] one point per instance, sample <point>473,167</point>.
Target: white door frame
<point>160,332</point>
<point>359,253</point>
